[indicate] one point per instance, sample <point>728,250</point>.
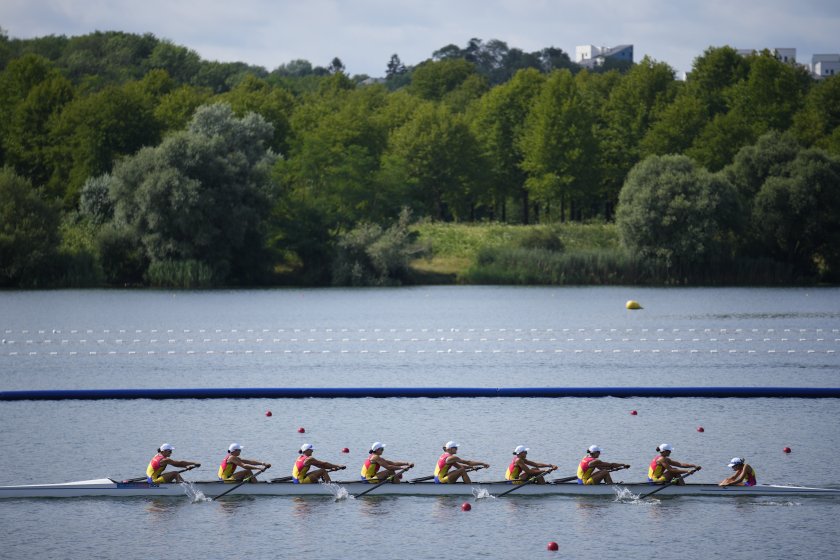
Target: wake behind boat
<point>106,487</point>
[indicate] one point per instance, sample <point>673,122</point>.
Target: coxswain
<point>592,470</point>
<point>744,474</point>
<point>301,473</point>
<point>371,468</point>
<point>662,468</point>
<point>228,472</point>
<point>158,464</point>
<point>520,468</point>
<point>450,467</point>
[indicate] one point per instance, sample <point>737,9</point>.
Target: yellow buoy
<point>633,304</point>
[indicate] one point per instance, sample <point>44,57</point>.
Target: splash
<point>194,493</point>
<point>338,491</point>
<point>480,493</point>
<point>624,495</point>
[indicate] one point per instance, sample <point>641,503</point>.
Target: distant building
<point>590,56</point>
<point>785,55</point>
<point>825,65</point>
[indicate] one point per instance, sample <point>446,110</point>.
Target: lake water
<point>431,336</point>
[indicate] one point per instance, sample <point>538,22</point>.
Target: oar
<point>425,478</point>
<point>244,480</point>
<point>566,479</point>
<point>664,486</point>
<point>386,480</point>
<point>530,480</point>
<point>282,479</point>
<point>570,478</point>
<point>138,479</point>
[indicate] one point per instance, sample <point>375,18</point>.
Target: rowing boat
<point>106,487</point>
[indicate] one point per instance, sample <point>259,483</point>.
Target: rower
<point>662,468</point>
<point>450,467</point>
<point>592,470</point>
<point>520,469</point>
<point>301,473</point>
<point>227,470</point>
<point>375,461</point>
<point>744,474</point>
<point>158,464</point>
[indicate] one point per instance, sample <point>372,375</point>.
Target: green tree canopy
<point>671,209</point>
<point>202,195</point>
<point>28,232</point>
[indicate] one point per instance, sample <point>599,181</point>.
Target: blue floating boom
<point>419,392</point>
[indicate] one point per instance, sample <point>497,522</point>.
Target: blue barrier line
<point>419,392</point>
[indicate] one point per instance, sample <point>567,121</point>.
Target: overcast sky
<point>365,33</point>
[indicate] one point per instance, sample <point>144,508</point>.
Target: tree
<point>336,66</point>
<point>558,145</point>
<point>274,104</point>
<point>92,131</point>
<point>498,122</point>
<point>28,232</point>
<point>819,117</point>
<point>181,63</point>
<point>435,156</point>
<point>395,67</point>
<point>753,165</point>
<point>433,80</point>
<point>202,196</point>
<point>797,214</point>
<point>633,105</point>
<point>670,209</point>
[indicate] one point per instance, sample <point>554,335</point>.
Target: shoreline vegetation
<point>129,161</point>
<point>568,254</point>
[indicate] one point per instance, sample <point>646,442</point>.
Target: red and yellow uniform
<point>442,468</point>
<point>749,479</point>
<point>585,470</point>
<point>155,469</point>
<point>370,468</point>
<point>226,469</point>
<point>300,470</point>
<point>513,471</point>
<point>656,471</point>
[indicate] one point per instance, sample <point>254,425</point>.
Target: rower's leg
<point>599,476</point>
<point>453,476</point>
<point>172,477</point>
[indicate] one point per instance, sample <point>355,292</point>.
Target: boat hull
<point>110,488</point>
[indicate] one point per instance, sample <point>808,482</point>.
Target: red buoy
<point>786,450</point>
<point>633,413</point>
<point>553,546</point>
<point>301,431</point>
<point>466,506</point>
<point>268,413</point>
<point>345,450</point>
<point>700,429</point>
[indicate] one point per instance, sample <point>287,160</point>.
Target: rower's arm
<point>324,464</point>
<point>253,463</point>
<point>175,463</point>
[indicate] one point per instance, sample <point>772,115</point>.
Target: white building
<point>786,55</point>
<point>591,56</point>
<point>825,65</point>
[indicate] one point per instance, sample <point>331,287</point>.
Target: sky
<point>365,33</point>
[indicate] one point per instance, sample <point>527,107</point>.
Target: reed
<point>187,274</point>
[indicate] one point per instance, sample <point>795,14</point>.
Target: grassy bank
<point>579,254</point>
<point>455,248</point>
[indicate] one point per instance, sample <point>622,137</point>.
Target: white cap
<point>234,447</point>
<point>306,447</point>
<point>594,449</point>
<point>520,449</point>
<point>450,444</point>
<point>735,461</point>
<point>166,447</point>
<point>666,447</point>
<point>377,445</point>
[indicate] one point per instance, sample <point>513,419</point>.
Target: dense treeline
<point>128,160</point>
